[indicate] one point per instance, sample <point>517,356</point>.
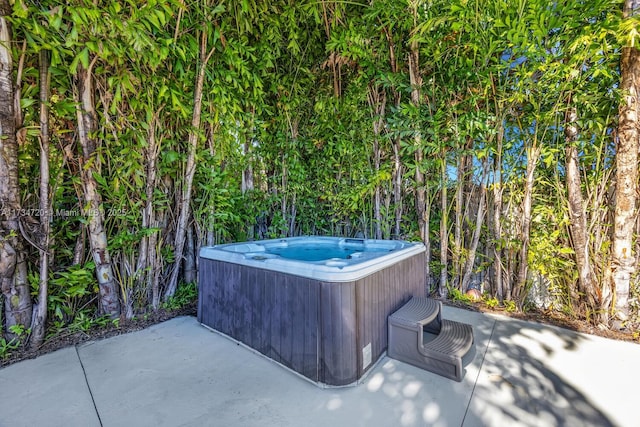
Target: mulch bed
<point>552,318</point>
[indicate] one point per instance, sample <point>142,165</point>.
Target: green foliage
<point>634,303</point>
<point>7,347</point>
<point>510,305</point>
<point>71,291</point>
<point>457,295</point>
<point>19,331</point>
<point>84,321</point>
<point>72,302</point>
<point>20,335</point>
<point>187,293</point>
<point>491,302</point>
<point>289,95</point>
<point>550,255</point>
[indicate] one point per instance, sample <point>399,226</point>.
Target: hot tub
<point>317,305</point>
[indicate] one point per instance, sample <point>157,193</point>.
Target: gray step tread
<point>418,311</point>
<point>443,355</point>
<point>455,339</point>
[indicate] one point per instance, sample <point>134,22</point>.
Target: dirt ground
<point>554,318</point>
<point>62,340</point>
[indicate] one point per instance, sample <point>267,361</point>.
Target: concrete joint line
<point>84,372</point>
<point>473,390</point>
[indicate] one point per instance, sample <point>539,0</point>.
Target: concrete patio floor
<point>179,373</point>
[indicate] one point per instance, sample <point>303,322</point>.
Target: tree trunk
<point>427,252</point>
<point>497,219</point>
<point>421,185</point>
<point>471,257</point>
<point>533,153</point>
<point>185,201</point>
<point>78,248</point>
<point>247,173</point>
<point>90,168</point>
<point>509,251</point>
<point>13,268</point>
<point>247,184</point>
<point>292,216</point>
<point>444,225</point>
<point>464,192</point>
<point>17,95</point>
<point>416,84</point>
<point>578,219</point>
<point>155,269</point>
<point>622,259</point>
<point>397,161</point>
<point>147,252</point>
<point>397,189</point>
<point>377,196</point>
<point>190,258</point>
<point>284,210</point>
<point>457,232</point>
<point>40,310</point>
<point>377,102</point>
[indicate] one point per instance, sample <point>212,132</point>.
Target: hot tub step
<point>424,313</point>
<point>443,355</point>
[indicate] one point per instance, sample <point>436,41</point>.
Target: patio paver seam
<point>84,372</point>
<point>475,382</point>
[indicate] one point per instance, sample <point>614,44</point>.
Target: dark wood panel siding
<point>338,364</point>
<point>271,312</point>
<point>318,329</point>
<point>311,359</point>
<point>379,295</point>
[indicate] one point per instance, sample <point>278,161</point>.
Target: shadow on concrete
<point>399,394</point>
<point>524,379</point>
<point>179,373</point>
